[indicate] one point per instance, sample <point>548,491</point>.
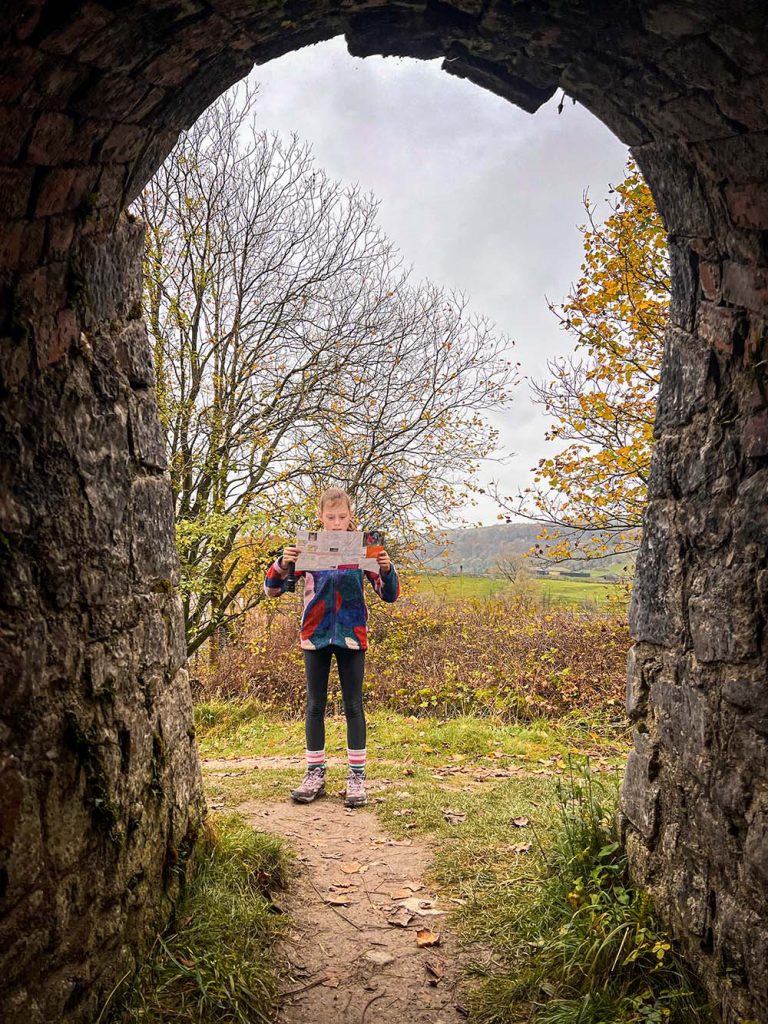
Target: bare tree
<point>511,565</point>
<point>291,351</point>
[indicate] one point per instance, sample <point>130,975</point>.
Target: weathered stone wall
<point>99,786</point>
<point>99,781</point>
<point>695,796</point>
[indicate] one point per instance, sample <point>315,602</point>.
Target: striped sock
<point>356,760</point>
<point>316,759</point>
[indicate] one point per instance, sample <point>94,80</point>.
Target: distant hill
<point>474,550</point>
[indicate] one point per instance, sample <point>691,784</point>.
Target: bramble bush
<point>503,657</point>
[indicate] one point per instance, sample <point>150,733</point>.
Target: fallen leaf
<point>521,847</point>
<point>402,813</point>
<point>409,824</point>
<point>338,901</point>
<point>400,894</point>
<point>400,917</point>
<point>436,968</point>
<point>350,867</point>
<point>186,961</point>
<point>330,980</point>
<point>408,771</point>
<point>520,822</point>
<point>455,817</point>
<point>426,937</point>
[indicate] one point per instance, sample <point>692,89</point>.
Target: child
<point>333,623</point>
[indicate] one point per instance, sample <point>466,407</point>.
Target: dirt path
<point>347,961</point>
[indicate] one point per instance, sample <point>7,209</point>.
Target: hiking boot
<point>355,790</point>
<point>312,786</point>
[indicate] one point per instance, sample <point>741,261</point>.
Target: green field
<point>578,593</point>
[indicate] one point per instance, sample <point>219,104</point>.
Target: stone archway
<point>99,787</point>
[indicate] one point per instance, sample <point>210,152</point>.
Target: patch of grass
<point>574,593</point>
<point>456,588</point>
<point>572,942</point>
<point>242,728</point>
<point>215,966</point>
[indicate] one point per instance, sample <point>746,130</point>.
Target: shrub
<point>502,657</point>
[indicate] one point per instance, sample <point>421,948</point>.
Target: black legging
<point>317,667</point>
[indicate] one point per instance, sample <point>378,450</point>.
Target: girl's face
<point>336,516</point>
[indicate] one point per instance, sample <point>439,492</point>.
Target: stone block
<point>147,442</point>
<point>55,337</point>
<point>640,796</point>
<point>722,615</point>
<point>720,326</point>
<point>745,286</point>
<point>15,190</point>
<point>756,847</point>
<point>709,280</point>
<point>683,389</point>
<point>153,547</point>
<point>754,435</point>
<point>67,38</point>
<point>123,143</point>
<point>111,270</point>
<point>749,514</point>
<point>678,188</point>
<point>656,609</point>
<point>15,126</point>
<point>52,140</point>
<point>748,205</point>
<point>64,189</point>
<point>682,718</point>
<point>133,354</point>
<point>20,65</point>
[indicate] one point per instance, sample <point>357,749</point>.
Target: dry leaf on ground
<point>426,937</point>
<point>520,822</point>
<point>350,867</point>
<point>436,968</point>
<point>455,817</point>
<point>400,917</point>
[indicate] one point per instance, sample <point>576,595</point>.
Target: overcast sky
<point>478,195</point>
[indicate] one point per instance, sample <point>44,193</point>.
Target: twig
<point>373,999</point>
<point>304,988</point>
<point>334,909</point>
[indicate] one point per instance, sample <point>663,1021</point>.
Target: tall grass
<point>582,946</point>
<point>215,965</point>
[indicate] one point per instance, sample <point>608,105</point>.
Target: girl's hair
<point>334,496</point>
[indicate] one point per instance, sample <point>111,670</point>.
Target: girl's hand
<point>290,554</point>
<point>385,562</point>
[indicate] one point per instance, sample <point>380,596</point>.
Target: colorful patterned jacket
<point>334,605</point>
